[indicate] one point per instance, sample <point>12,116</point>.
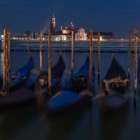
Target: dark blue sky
<point>102,15</point>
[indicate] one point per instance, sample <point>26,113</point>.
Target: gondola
<point>115,85</point>
<point>19,76</point>
<point>20,95</point>
<point>57,72</point>
<point>115,78</point>
<point>80,80</point>
<point>115,101</point>
<point>22,74</point>
<point>72,97</point>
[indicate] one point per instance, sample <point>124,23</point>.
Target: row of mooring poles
<point>6,64</point>
<point>135,60</point>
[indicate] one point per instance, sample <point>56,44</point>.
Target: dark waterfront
<point>86,123</point>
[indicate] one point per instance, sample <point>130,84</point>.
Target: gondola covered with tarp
<point>19,76</point>
<point>57,72</point>
<point>19,95</point>
<point>77,94</point>
<point>115,77</point>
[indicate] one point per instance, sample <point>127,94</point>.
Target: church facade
<point>81,35</point>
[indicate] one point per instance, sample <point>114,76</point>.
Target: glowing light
<point>101,38</point>
<point>2,36</point>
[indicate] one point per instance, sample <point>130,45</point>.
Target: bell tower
<point>52,23</point>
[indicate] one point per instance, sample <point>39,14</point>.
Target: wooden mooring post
<point>72,54</point>
<point>6,64</point>
<point>90,66</point>
<point>40,52</point>
<point>135,60</point>
<point>99,58</point>
<point>49,61</point>
<point>8,51</point>
<point>129,52</point>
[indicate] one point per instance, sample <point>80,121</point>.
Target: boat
<point>15,99</point>
<point>57,72</point>
<point>115,101</point>
<point>115,85</point>
<point>19,95</point>
<point>71,98</point>
<point>19,76</point>
<point>115,78</point>
<point>80,80</point>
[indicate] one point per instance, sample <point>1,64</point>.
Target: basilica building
<point>81,35</point>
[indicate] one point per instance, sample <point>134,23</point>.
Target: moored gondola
<point>18,95</point>
<point>22,74</point>
<point>77,94</point>
<point>57,72</point>
<point>115,78</point>
<point>19,77</point>
<point>115,84</point>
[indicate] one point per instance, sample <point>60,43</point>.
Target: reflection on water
<point>88,122</point>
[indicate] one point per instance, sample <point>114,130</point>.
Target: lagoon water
<point>28,122</point>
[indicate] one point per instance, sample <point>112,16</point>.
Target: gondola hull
<point>66,101</point>
<point>18,94</point>
<point>19,97</point>
<point>75,95</point>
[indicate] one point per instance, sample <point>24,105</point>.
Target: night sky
<point>117,16</point>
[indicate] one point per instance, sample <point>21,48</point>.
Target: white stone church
<point>81,35</point>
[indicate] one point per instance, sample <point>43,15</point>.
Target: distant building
<point>81,35</point>
<point>52,24</point>
<point>63,33</point>
<point>103,35</point>
<point>30,34</point>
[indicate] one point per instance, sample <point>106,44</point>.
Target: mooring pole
<point>72,55</point>
<point>49,61</point>
<point>129,52</point>
<point>135,60</point>
<point>8,52</point>
<point>40,52</point>
<point>6,65</point>
<point>90,66</point>
<point>99,58</point>
<point>28,46</point>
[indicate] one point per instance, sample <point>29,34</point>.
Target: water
<point>87,123</point>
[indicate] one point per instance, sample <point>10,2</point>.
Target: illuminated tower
<point>52,23</point>
<point>71,26</point>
